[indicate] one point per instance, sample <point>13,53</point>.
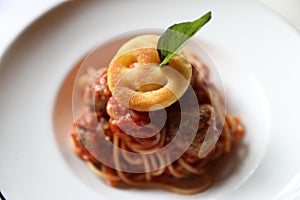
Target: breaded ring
<point>136,80</point>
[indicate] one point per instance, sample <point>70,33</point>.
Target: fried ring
<point>137,82</point>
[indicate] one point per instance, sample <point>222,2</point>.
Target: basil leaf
<point>177,35</point>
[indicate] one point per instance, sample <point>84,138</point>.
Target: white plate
<point>243,38</point>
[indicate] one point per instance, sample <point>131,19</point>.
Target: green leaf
<point>177,35</point>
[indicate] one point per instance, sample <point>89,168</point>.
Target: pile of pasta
<point>110,111</point>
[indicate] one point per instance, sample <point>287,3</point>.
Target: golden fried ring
<point>137,82</point>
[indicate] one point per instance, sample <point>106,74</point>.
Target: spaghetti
<point>186,175</point>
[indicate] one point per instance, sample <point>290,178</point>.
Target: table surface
<point>15,15</point>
